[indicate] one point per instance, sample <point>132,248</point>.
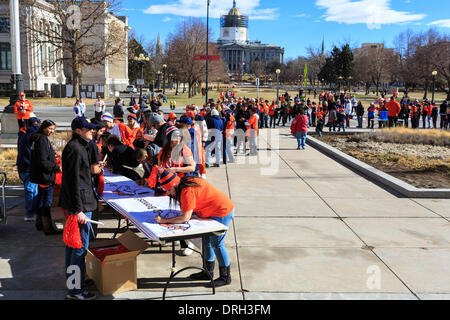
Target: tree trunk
<point>76,76</point>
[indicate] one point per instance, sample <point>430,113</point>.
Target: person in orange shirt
<point>119,129</point>
<point>134,126</point>
<point>394,109</point>
<point>197,196</point>
<point>23,109</point>
<point>252,131</point>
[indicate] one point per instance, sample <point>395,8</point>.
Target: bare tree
<point>316,60</point>
<point>78,38</point>
<point>188,41</point>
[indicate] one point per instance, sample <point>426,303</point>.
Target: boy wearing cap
<point>23,109</point>
<point>78,198</point>
<point>119,129</point>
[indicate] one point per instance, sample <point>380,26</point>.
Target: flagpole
<point>207,48</point>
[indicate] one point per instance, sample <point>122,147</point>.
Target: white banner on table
<point>142,212</point>
<point>139,205</point>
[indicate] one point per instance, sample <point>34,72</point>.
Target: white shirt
<point>82,106</point>
<point>99,106</point>
<point>348,108</point>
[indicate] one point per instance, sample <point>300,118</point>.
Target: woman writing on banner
<point>196,195</point>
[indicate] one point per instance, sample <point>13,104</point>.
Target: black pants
<point>98,115</point>
<point>393,121</point>
<point>22,123</point>
<point>370,123</point>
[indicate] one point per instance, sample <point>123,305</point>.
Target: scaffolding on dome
<point>232,21</point>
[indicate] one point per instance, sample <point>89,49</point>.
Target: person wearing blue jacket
<point>23,167</point>
<point>215,131</point>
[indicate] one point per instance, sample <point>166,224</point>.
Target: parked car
<point>131,89</point>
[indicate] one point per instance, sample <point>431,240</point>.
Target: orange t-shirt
<point>205,200</point>
<point>23,105</point>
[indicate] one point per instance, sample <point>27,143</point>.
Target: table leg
<point>173,274</point>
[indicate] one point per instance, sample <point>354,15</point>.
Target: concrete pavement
<point>306,227</point>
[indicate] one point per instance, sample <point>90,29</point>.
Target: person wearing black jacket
<point>43,169</point>
<point>118,110</point>
<point>78,198</point>
<point>359,114</point>
<point>123,158</point>
<point>443,114</point>
<point>23,167</point>
<point>242,116</point>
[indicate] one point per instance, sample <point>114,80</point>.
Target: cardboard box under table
<point>118,272</point>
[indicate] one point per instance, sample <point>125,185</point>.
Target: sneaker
<point>29,219</point>
<point>82,296</point>
<point>188,251</point>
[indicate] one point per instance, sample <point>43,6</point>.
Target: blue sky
<point>297,24</point>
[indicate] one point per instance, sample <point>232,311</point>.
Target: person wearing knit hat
<point>134,126</point>
<point>180,163</point>
<point>119,129</point>
<point>199,196</point>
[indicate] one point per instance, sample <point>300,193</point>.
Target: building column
<point>16,75</point>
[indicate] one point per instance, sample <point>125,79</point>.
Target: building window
<point>41,48</point>
<point>5,56</point>
<point>49,58</point>
<point>4,25</point>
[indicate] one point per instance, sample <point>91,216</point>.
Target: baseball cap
<point>186,120</point>
<point>82,122</point>
<point>172,115</point>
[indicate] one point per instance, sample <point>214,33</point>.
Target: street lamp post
<point>141,60</point>
<point>350,83</point>
<point>159,79</point>
<point>164,66</point>
<point>323,85</point>
<point>340,83</point>
<point>434,74</point>
<point>278,71</point>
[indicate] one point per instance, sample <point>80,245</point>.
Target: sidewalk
<point>312,230</point>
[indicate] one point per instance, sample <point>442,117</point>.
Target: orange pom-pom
<point>153,177</point>
<point>71,236</point>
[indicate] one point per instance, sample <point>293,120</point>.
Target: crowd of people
<point>172,153</point>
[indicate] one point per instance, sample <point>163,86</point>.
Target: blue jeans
<point>266,121</point>
<point>229,150</point>
<point>76,257</point>
<point>31,191</point>
<point>301,139</point>
<point>214,145</point>
<point>253,145</point>
<point>215,245</point>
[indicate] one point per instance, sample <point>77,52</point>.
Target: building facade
<point>237,51</point>
<point>39,67</point>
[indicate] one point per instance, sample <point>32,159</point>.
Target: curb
<point>379,176</point>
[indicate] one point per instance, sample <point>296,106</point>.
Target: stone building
<point>236,50</point>
<point>38,60</point>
